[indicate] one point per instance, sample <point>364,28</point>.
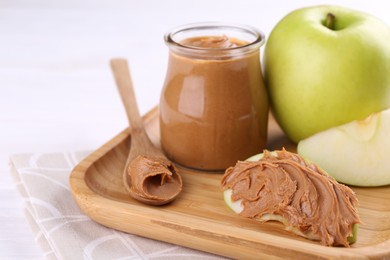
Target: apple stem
<point>330,21</point>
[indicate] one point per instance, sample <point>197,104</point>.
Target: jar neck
<point>249,39</point>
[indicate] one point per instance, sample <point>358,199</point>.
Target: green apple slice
<point>259,156</point>
<point>355,153</point>
<point>237,207</point>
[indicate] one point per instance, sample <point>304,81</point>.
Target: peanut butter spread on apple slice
<point>308,198</point>
<point>154,178</point>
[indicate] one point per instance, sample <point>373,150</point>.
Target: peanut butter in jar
<point>213,106</point>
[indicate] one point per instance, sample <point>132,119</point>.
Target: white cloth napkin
<point>62,230</point>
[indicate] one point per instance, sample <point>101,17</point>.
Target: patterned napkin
<point>62,230</point>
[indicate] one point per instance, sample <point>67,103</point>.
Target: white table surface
<point>57,91</point>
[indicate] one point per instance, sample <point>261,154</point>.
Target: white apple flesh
<point>356,153</point>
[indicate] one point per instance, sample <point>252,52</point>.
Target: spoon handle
<point>122,77</point>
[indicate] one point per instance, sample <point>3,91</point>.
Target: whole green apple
<point>325,66</point>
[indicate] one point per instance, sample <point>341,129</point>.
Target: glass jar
<point>213,106</point>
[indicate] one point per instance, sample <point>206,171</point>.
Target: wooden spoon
<point>140,143</point>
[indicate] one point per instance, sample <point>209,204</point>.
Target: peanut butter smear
<point>285,184</point>
<point>213,42</point>
<point>154,178</point>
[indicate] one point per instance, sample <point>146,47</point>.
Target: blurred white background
<point>56,89</point>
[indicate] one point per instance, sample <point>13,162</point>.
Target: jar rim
<point>256,43</point>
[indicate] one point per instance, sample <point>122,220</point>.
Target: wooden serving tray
<point>199,219</point>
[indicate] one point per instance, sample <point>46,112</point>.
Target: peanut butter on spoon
<point>149,176</point>
<point>154,178</point>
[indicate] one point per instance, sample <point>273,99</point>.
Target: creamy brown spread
<point>154,178</point>
<point>302,193</point>
<point>213,111</point>
<point>213,42</point>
